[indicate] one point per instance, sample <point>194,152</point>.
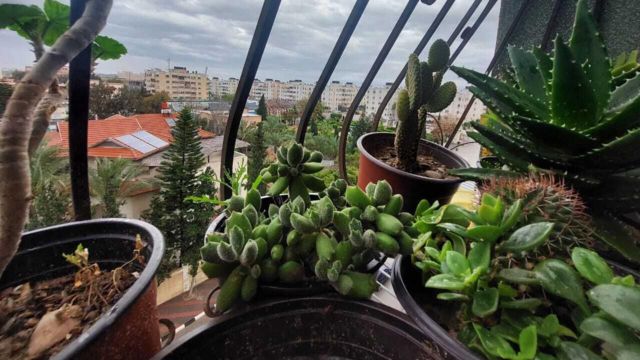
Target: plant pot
<point>412,187</point>
<point>305,288</point>
<point>408,286</point>
<point>129,330</point>
<point>322,327</point>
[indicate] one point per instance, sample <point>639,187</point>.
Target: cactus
<point>294,171</point>
<point>424,94</point>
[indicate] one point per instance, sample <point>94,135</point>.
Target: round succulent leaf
<point>608,331</point>
<point>558,278</point>
<point>591,266</point>
<point>445,282</point>
<point>527,237</point>
<point>485,302</point>
<point>457,263</point>
<point>573,351</point>
<point>618,301</point>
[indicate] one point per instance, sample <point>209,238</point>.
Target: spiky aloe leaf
<point>553,135</point>
<point>535,154</point>
<point>573,102</point>
<point>623,112</point>
<point>530,79</point>
<point>506,156</point>
<point>517,100</point>
<point>545,66</point>
<point>616,193</point>
<point>588,47</point>
<point>500,109</point>
<point>479,174</point>
<point>619,154</point>
<point>617,234</point>
<point>414,82</point>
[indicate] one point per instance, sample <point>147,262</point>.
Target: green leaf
<point>27,21</point>
<point>518,276</point>
<point>494,344</point>
<point>573,102</point>
<point>511,216</point>
<point>549,326</point>
<point>521,304</point>
<point>445,282</point>
<point>448,296</point>
<point>575,351</point>
<point>553,136</point>
<point>488,233</point>
<point>106,48</point>
<point>482,173</point>
<point>559,279</point>
<point>591,266</point>
<point>529,77</point>
<point>485,302</point>
<point>506,290</point>
<point>588,48</point>
<point>515,161</point>
<point>619,154</point>
<point>58,21</point>
<point>528,341</point>
<point>631,352</point>
<point>618,301</point>
<point>453,228</point>
<point>607,331</point>
<point>622,112</point>
<point>480,255</point>
<point>615,233</point>
<point>545,66</point>
<point>527,237</point>
<point>457,263</point>
<point>506,331</point>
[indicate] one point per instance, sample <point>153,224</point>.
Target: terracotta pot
<point>412,187</point>
<point>130,329</point>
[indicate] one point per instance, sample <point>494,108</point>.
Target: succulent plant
<point>294,170</point>
<point>424,94</point>
<point>569,116</point>
<point>546,198</point>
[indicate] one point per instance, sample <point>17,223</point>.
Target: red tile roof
<point>113,127</point>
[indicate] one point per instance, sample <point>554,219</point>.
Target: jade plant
<point>512,300</point>
<point>569,114</point>
<point>424,94</point>
<point>330,240</point>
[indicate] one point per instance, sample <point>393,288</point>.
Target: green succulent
<point>424,94</point>
<point>570,116</point>
<point>294,171</point>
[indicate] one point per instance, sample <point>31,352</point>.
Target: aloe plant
<point>424,94</point>
<point>514,303</point>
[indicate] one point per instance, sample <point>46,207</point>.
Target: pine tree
<point>262,108</point>
<point>182,222</point>
<point>257,155</point>
<point>358,128</point>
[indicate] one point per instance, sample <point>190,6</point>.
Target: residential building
<point>178,82</point>
<point>143,138</point>
<point>221,87</point>
<point>338,97</point>
<point>131,79</point>
<point>460,103</point>
<point>295,90</point>
<point>372,100</point>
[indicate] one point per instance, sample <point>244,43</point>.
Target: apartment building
<point>338,97</point>
<point>180,83</point>
<point>295,90</point>
<point>131,79</point>
<point>372,100</point>
<point>460,102</point>
<point>221,87</point>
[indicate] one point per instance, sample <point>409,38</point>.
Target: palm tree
<point>112,181</point>
<point>49,186</point>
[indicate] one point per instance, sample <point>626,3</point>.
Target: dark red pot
<point>411,186</point>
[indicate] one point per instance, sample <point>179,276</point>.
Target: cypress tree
<point>182,222</point>
<point>257,155</point>
<point>262,108</point>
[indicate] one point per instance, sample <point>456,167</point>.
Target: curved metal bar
<point>501,47</point>
<point>251,64</point>
<point>336,54</point>
<point>463,22</point>
<point>468,33</point>
<point>79,75</point>
<point>421,45</point>
<point>382,55</point>
<point>550,24</point>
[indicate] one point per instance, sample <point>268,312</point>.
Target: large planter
<point>305,288</point>
<point>130,330</point>
<point>412,187</point>
<point>411,293</point>
<point>323,327</point>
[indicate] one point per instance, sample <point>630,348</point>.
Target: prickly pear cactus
<point>424,94</point>
<point>294,171</point>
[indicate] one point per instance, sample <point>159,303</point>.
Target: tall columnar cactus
<point>570,115</point>
<point>424,94</point>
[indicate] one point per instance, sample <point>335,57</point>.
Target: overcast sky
<point>217,33</point>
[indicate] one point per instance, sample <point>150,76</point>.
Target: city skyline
<point>215,35</point>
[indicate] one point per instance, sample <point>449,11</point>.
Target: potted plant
<point>574,115</point>
<point>298,245</point>
<point>32,264</point>
<point>491,284</point>
<point>416,168</point>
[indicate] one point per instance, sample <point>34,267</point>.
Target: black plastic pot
<point>408,286</point>
<point>412,187</point>
<point>130,329</point>
<point>305,288</point>
<point>323,327</point>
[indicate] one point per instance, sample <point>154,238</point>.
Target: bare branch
<point>16,124</point>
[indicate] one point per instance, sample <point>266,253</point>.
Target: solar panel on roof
<point>150,139</point>
<point>135,143</point>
